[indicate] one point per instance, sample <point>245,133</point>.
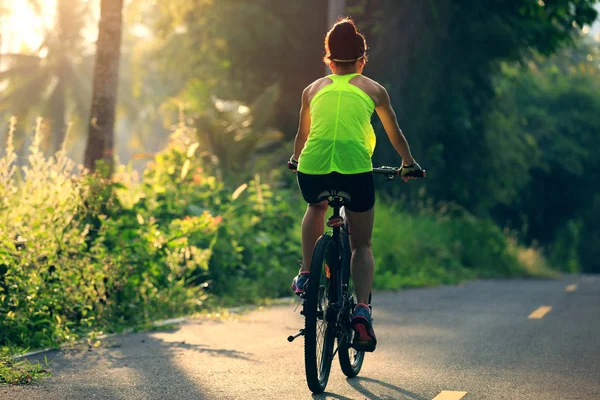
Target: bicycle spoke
<point>322,324</point>
<point>320,341</point>
<point>352,354</point>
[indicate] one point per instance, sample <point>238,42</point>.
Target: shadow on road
<point>358,384</point>
<point>327,395</point>
<point>177,347</point>
<point>132,366</point>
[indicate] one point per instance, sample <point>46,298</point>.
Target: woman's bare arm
<point>390,124</point>
<point>303,125</point>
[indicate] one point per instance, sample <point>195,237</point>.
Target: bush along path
<point>83,254</point>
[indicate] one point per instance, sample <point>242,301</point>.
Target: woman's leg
<point>313,226</point>
<point>362,263</point>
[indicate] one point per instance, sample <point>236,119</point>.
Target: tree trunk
<point>100,143</point>
<point>335,10</point>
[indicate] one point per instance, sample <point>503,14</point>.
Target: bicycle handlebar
<point>392,172</point>
<point>389,172</point>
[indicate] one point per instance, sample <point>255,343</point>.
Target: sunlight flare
<point>25,25</point>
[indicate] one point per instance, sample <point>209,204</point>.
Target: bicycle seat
<point>328,194</point>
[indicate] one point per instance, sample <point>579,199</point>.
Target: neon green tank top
<point>341,137</point>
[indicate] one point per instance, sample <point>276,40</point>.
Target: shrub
<point>79,252</point>
<point>48,282</point>
<point>429,248</point>
<point>75,255</point>
<point>256,246</point>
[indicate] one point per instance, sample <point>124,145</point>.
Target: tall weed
<point>47,280</point>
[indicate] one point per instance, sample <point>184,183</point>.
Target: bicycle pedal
<point>291,338</point>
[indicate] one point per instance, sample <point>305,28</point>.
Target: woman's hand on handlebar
<point>293,164</point>
<point>412,171</point>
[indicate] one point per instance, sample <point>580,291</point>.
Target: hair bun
<point>343,42</point>
<point>344,27</point>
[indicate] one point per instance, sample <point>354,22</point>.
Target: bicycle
<point>329,298</point>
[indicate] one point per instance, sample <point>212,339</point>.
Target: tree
<point>100,144</point>
<point>552,103</point>
<point>237,48</point>
<point>236,140</point>
<point>438,60</point>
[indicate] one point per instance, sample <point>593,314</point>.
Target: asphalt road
<point>484,338</point>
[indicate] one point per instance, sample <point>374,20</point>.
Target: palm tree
<point>100,144</point>
<point>236,140</point>
<point>52,79</point>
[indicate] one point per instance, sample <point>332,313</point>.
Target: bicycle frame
<point>336,222</point>
<point>341,311</point>
<point>337,268</point>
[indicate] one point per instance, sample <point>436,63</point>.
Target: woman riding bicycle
<point>333,150</point>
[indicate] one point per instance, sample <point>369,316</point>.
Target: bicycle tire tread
<point>311,363</point>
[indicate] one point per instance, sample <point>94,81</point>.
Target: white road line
<point>540,312</point>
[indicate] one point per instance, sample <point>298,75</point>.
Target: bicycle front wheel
<point>319,331</point>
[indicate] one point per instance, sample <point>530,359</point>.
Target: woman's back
<point>341,137</point>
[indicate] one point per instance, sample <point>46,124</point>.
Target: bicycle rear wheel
<point>351,361</point>
<point>319,332</point>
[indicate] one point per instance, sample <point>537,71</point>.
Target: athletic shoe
<point>364,336</point>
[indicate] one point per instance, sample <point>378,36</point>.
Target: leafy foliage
<point>237,140</point>
<point>552,104</point>
<point>491,131</point>
<point>236,49</point>
<point>440,76</point>
<point>81,253</point>
<point>255,246</point>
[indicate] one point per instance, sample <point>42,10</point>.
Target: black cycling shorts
<point>360,187</point>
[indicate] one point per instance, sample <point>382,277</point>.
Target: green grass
<point>20,372</point>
